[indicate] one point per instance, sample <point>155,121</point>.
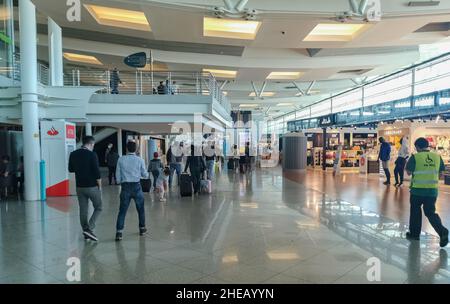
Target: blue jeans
<point>173,168</point>
<point>131,191</point>
<point>210,168</point>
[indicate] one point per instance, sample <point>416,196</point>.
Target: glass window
<point>392,88</point>
<point>348,101</point>
<point>303,113</point>
<point>320,109</point>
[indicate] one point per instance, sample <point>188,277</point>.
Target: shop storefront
<point>354,144</point>
<point>437,132</point>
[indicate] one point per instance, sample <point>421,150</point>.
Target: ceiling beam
<point>254,89</point>
<point>222,86</point>
<point>308,91</point>
<point>298,88</point>
<point>262,90</point>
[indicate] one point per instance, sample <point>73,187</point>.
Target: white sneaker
<point>162,199</point>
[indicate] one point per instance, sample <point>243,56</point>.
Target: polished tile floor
<point>259,228</point>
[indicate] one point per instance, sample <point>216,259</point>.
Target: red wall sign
<point>70,131</point>
<point>52,132</point>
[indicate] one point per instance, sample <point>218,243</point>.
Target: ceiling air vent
<point>354,72</point>
<point>434,27</point>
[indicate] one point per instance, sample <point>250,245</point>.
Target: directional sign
<point>138,60</point>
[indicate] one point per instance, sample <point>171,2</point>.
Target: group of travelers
<point>238,162</point>
<point>129,171</point>
<point>11,179</point>
<point>164,88</point>
<point>201,162</point>
<point>425,168</point>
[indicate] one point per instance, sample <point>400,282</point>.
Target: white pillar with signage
<point>30,118</point>
<point>58,141</point>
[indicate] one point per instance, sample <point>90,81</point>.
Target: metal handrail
<point>138,82</point>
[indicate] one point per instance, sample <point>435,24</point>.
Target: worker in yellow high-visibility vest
<point>425,168</point>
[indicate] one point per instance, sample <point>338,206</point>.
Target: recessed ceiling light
<point>336,32</point>
<point>82,58</point>
<point>283,255</point>
<point>221,73</point>
<point>225,93</point>
<point>117,17</point>
<point>248,105</point>
<point>284,75</point>
<point>285,104</point>
<point>230,28</point>
<point>264,94</point>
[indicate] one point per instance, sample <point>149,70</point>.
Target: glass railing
<point>139,82</point>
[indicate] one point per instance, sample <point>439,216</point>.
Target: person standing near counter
<point>384,156</point>
<point>400,162</point>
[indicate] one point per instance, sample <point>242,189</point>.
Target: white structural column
<point>55,53</point>
<point>88,129</point>
<point>30,119</point>
<point>119,141</point>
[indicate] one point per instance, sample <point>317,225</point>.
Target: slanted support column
<point>55,53</point>
<point>30,119</point>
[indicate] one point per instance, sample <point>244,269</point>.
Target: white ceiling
<point>177,30</point>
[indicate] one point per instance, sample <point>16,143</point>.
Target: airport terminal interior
<point>309,122</point>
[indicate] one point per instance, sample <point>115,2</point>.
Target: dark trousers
<point>111,174</point>
<point>399,169</point>
<point>155,174</point>
<point>131,191</point>
<point>115,89</point>
<point>429,208</point>
<point>6,185</point>
<point>196,175</point>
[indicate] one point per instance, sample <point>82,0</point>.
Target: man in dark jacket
<point>196,164</point>
<point>84,163</point>
<point>114,82</point>
<point>384,156</point>
<point>111,160</point>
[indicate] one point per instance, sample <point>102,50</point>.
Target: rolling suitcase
<point>146,185</point>
<point>185,185</point>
